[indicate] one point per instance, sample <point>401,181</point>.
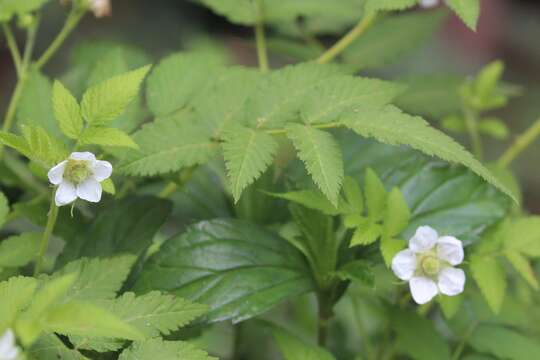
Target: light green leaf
<point>9,8</point>
<point>104,102</point>
<point>450,305</point>
<point>390,247</point>
<point>294,348</point>
<point>523,267</point>
<point>357,270</point>
<point>16,142</point>
<point>16,251</point>
<point>107,137</point>
<point>373,6</point>
<point>353,195</point>
<point>504,343</point>
<point>394,127</point>
<point>467,10</point>
<point>322,156</point>
<point>248,153</point>
<point>485,84</point>
<point>397,214</point>
<point>15,295</point>
<point>366,233</point>
<point>376,196</point>
<point>454,123</point>
<point>67,111</point>
<point>523,235</point>
<point>494,127</point>
<point>108,186</point>
<point>312,199</point>
<point>50,347</point>
<point>158,349</point>
<point>43,148</point>
<point>490,276</point>
<point>4,204</point>
<point>169,145</point>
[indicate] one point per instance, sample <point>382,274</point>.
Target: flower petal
<point>10,354</point>
<point>424,239</point>
<point>102,170</point>
<point>89,190</point>
<point>423,289</point>
<point>56,174</point>
<point>428,3</point>
<point>451,281</point>
<point>88,156</point>
<point>65,194</point>
<point>450,249</point>
<point>404,264</point>
<point>6,341</point>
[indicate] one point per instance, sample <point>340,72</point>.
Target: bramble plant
<point>189,208</point>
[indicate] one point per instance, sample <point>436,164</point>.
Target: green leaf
<point>454,123</point>
<point>107,137</point>
<point>523,267</point>
<point>450,305</point>
<point>389,39</point>
<point>312,199</point>
<point>50,347</point>
<point>494,127</point>
<point>376,196</point>
<point>294,348</point>
<point>322,156</point>
<point>15,295</point>
<point>67,111</point>
<point>168,146</point>
<point>207,262</point>
<point>490,276</point>
<point>366,234</point>
<point>41,147</point>
<point>357,270</point>
<point>485,84</point>
<point>159,349</point>
<point>104,102</point>
<point>108,186</point>
<point>394,127</point>
<point>16,142</point>
<point>390,247</point>
<point>174,82</point>
<point>85,319</point>
<point>418,338</point>
<point>397,214</point>
<point>504,343</point>
<point>373,6</point>
<point>467,10</point>
<point>248,153</point>
<point>16,251</point>
<point>523,235</point>
<point>4,205</point>
<point>127,226</point>
<point>353,195</point>
<point>10,8</point>
<point>97,278</point>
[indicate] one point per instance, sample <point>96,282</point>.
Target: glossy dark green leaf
<point>238,269</point>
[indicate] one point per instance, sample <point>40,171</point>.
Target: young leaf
<point>491,278</point>
<point>467,10</point>
<point>19,250</point>
<point>294,348</point>
<point>394,127</point>
<point>390,247</point>
<point>107,137</point>
<point>397,214</point>
<point>494,127</point>
<point>353,195</point>
<point>322,156</point>
<point>248,153</point>
<point>104,102</point>
<point>43,148</point>
<point>158,349</point>
<point>523,235</point>
<point>376,196</point>
<point>67,111</point>
<point>366,234</point>
<point>15,295</point>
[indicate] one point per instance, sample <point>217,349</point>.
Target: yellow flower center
<point>77,171</point>
<point>431,265</point>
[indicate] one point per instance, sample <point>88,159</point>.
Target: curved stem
<point>346,40</point>
<point>71,22</point>
<point>51,222</point>
<point>261,39</point>
<point>522,142</point>
<point>14,50</point>
<point>471,122</point>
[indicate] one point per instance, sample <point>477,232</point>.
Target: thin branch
<point>522,142</point>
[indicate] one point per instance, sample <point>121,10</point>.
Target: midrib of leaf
<point>237,185</point>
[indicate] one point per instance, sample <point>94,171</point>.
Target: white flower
<point>79,176</point>
<point>8,349</point>
<point>428,265</point>
<point>101,8</point>
<point>428,3</point>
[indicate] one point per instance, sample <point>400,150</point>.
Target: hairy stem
<point>51,222</point>
<point>347,40</point>
<point>71,22</point>
<point>261,39</point>
<point>13,48</point>
<point>471,122</point>
<point>522,142</point>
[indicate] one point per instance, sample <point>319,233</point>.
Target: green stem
<point>522,142</point>
<point>30,43</point>
<point>71,22</point>
<point>471,122</point>
<point>459,349</point>
<point>325,314</point>
<point>12,45</point>
<point>261,39</point>
<point>347,40</point>
<point>51,222</point>
<point>329,125</point>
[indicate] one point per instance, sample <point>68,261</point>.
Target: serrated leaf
<point>397,214</point>
<point>42,147</point>
<point>293,348</point>
<point>50,347</point>
<point>523,235</point>
<point>16,142</point>
<point>19,250</point>
<point>108,186</point>
<point>104,102</point>
<point>67,111</point>
<point>159,349</point>
<point>311,199</point>
<point>390,247</point>
<point>373,6</point>
<point>322,156</point>
<point>387,41</point>
<point>208,261</point>
<point>15,295</point>
<point>523,267</point>
<point>353,195</point>
<point>168,146</point>
<point>248,153</point>
<point>467,10</point>
<point>491,278</point>
<point>376,196</point>
<point>357,270</point>
<point>394,127</point>
<point>504,343</point>
<point>366,234</point>
<point>107,137</point>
